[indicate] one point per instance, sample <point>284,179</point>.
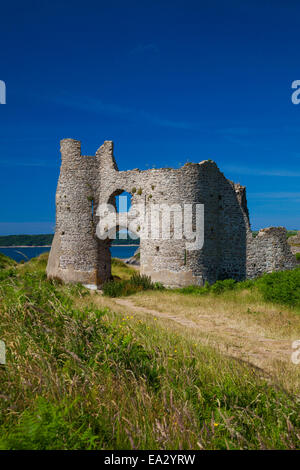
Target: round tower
<point>74,252</point>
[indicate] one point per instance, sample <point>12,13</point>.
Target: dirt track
<point>217,330</point>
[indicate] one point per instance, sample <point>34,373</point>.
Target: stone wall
<point>294,243</point>
<point>268,251</point>
<point>229,250</point>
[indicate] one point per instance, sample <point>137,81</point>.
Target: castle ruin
<point>229,249</point>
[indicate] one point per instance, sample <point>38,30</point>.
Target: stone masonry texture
<point>229,249</point>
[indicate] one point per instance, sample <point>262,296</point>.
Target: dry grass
<point>237,323</point>
<point>235,309</point>
<point>157,370</point>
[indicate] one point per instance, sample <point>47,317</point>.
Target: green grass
<point>281,287</point>
<point>83,378</point>
<point>216,288</point>
<point>6,262</point>
<point>6,267</point>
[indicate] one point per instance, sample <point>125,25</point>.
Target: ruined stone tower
<point>229,249</point>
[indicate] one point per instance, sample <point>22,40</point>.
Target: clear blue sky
<point>167,81</point>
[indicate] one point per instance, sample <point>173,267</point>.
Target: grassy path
<point>234,340</point>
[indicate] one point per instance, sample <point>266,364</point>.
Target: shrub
<point>194,290</point>
<point>247,284</point>
<point>297,256</point>
<point>222,286</point>
<point>217,288</point>
<point>281,287</point>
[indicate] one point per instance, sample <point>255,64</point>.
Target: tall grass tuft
<point>136,283</point>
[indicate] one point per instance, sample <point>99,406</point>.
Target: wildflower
<point>216,424</point>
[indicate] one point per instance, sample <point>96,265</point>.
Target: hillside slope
<point>6,262</point>
<point>84,372</point>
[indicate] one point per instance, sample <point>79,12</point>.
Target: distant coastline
<point>26,246</point>
<point>45,241</point>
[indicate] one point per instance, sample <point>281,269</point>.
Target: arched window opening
<point>125,244</point>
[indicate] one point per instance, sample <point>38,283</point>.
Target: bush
<point>217,288</point>
<point>222,286</point>
<point>247,284</point>
<point>194,290</point>
<point>281,287</point>
<point>297,256</point>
